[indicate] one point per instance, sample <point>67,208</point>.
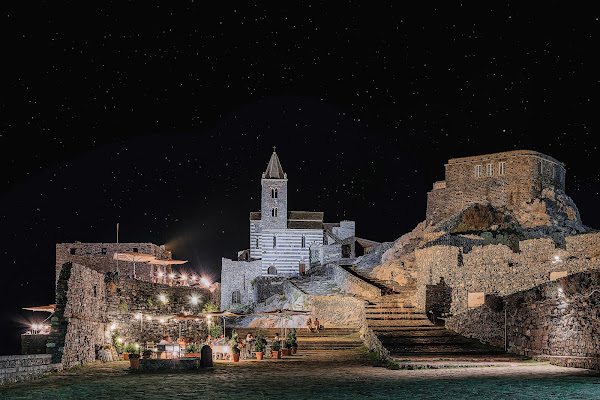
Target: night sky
<point>163,119</point>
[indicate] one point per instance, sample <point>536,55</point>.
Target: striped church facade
<point>287,251</point>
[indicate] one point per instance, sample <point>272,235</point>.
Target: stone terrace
<point>313,375</point>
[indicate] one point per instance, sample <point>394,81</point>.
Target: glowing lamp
<point>205,282</point>
<point>194,300</point>
<point>162,320</point>
<point>160,274</point>
<point>138,316</point>
<point>163,298</point>
<point>172,276</point>
<point>120,340</point>
<point>137,346</point>
<point>148,318</point>
<point>113,326</point>
<point>183,277</point>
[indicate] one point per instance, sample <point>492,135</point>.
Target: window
<point>135,249</point>
<point>274,212</point>
<point>489,170</point>
<point>477,171</point>
<point>303,241</point>
<point>72,251</point>
<point>256,243</point>
<point>95,292</point>
<point>236,297</point>
<point>501,168</point>
<point>104,250</point>
<point>274,241</point>
<point>274,192</point>
<point>272,270</point>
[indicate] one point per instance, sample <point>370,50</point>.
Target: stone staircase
<point>326,339</point>
<point>316,285</point>
<point>406,331</point>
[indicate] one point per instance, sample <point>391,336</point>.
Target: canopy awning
<point>166,262</point>
<point>191,317</point>
<point>282,312</point>
<point>49,308</point>
<point>132,256</point>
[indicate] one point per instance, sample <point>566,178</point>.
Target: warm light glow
<point>208,320</point>
<point>120,340</point>
<point>138,316</point>
<point>137,346</point>
<point>35,327</point>
<point>205,282</point>
<point>184,277</point>
<point>197,319</point>
<point>162,320</point>
<point>160,274</point>
<point>194,300</point>
<point>149,318</point>
<point>113,327</point>
<point>172,276</point>
<point>193,278</point>
<point>163,298</point>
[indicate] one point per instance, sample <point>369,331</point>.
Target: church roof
<point>274,169</point>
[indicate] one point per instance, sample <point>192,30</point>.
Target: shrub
<point>215,331</point>
<point>478,217</point>
<point>261,343</point>
<point>147,353</point>
<point>130,348</point>
<point>276,346</point>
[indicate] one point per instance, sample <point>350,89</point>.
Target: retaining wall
<point>24,367</point>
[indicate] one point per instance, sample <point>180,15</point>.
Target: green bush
<point>130,348</point>
<point>261,343</point>
<point>276,346</point>
<point>215,331</point>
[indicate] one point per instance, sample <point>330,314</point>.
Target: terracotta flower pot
<point>275,354</point>
<point>286,352</point>
<point>294,350</point>
<point>259,355</point>
<point>134,364</point>
<point>235,357</point>
<point>125,356</point>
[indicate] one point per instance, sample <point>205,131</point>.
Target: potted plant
<point>134,361</point>
<point>260,345</point>
<point>294,341</point>
<point>287,347</point>
<point>147,353</point>
<point>275,349</point>
<point>192,350</point>
<point>127,350</point>
<point>235,347</point>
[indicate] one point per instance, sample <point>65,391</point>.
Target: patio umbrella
<point>281,313</point>
<point>164,263</point>
<point>49,308</point>
<point>133,257</point>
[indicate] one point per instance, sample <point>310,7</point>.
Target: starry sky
<point>162,118</point>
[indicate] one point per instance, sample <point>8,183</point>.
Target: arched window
<point>272,270</point>
<point>303,241</point>
<point>236,297</point>
<point>274,212</point>
<point>274,192</point>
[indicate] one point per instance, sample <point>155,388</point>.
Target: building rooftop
<point>274,169</point>
<point>513,153</point>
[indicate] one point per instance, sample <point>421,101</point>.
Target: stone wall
<point>338,311</point>
<point>526,174</point>
<point>238,276</point>
<point>33,344</point>
<point>99,256</point>
<point>496,269</point>
<point>557,320</point>
<point>349,283</point>
<point>91,307</point>
<point>25,367</point>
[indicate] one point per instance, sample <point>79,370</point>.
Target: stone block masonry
<point>502,179</point>
<point>33,344</point>
<point>25,367</point>
<point>92,306</point>
<point>496,269</point>
<point>558,321</point>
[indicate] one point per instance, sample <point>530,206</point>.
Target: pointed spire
<point>274,170</point>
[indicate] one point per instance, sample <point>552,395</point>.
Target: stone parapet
<point>16,368</point>
<point>349,283</point>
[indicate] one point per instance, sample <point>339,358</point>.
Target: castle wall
<point>557,320</point>
<point>497,269</point>
<point>99,256</point>
<point>526,174</point>
<point>238,276</point>
<point>255,239</point>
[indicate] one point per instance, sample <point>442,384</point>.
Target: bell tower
<point>273,203</point>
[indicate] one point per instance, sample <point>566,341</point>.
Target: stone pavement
<point>342,374</point>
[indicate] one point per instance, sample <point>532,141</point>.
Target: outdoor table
<point>221,349</point>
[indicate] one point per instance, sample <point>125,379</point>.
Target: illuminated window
<point>501,168</point>
<point>489,170</point>
<point>236,297</point>
<point>477,171</point>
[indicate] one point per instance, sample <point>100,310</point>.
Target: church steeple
<point>274,169</point>
<point>274,195</point>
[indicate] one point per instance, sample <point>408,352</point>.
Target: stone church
<point>284,243</point>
